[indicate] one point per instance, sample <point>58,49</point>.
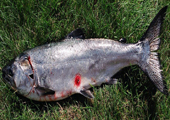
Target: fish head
<point>18,74</point>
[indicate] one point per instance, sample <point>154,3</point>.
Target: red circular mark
<point>77,80</point>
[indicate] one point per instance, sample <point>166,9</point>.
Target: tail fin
<point>150,42</point>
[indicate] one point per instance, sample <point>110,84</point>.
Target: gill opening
<point>31,76</point>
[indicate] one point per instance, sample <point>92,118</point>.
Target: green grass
<point>28,23</point>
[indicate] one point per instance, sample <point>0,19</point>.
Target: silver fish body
<point>55,71</point>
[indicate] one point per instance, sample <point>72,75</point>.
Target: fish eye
<point>23,56</point>
<point>24,59</point>
<point>25,65</point>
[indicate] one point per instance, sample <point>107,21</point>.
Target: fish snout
<point>8,75</point>
<point>7,71</point>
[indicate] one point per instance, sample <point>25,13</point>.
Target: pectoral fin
<point>41,91</point>
<point>87,93</point>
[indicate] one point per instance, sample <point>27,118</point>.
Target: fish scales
<point>55,71</point>
<point>72,53</point>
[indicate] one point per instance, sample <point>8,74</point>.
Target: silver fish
<point>55,71</point>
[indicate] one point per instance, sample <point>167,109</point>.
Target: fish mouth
<point>7,75</point>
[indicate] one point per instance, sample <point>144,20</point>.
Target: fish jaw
<point>8,77</point>
<point>16,75</point>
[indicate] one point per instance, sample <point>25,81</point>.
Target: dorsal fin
<point>122,40</point>
<point>76,34</point>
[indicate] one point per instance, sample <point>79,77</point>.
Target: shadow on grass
<point>45,106</point>
<point>142,88</point>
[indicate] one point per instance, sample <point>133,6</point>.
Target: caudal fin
<point>150,42</point>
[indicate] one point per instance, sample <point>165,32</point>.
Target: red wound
<point>62,94</point>
<point>55,96</point>
<point>29,59</point>
<point>77,80</point>
<point>69,92</point>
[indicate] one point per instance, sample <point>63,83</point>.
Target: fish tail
<point>149,59</point>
